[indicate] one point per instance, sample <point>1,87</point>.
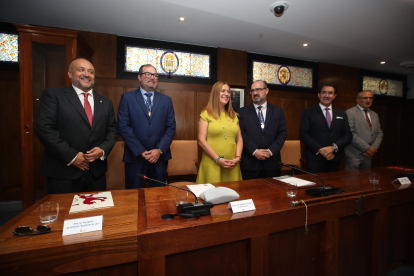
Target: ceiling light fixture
<point>383,62</point>
<point>181,18</point>
<point>305,44</point>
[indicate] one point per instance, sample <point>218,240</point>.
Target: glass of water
<point>291,189</point>
<point>49,211</point>
<point>374,178</point>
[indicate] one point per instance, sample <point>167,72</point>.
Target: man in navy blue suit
<point>325,132</point>
<point>263,128</point>
<point>146,122</point>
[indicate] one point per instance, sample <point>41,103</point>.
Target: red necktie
<point>88,108</point>
<point>368,121</point>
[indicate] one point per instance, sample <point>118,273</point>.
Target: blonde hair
<point>213,106</point>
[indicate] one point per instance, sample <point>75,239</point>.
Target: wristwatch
<point>335,147</point>
<point>160,150</point>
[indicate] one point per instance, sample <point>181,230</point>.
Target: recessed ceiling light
<point>383,62</point>
<point>305,44</point>
<point>181,18</point>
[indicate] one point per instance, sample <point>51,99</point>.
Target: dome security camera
<point>279,7</point>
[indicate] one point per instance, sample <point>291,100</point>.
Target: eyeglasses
<point>366,98</point>
<point>149,75</point>
<point>257,89</point>
<point>28,231</point>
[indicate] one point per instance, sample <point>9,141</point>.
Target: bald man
<point>77,127</point>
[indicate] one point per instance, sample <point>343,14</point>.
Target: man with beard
<point>77,127</point>
<point>325,132</point>
<point>146,122</point>
<point>263,128</point>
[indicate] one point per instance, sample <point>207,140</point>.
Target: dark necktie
<point>261,118</point>
<point>148,103</point>
<point>328,117</point>
<point>368,121</point>
<point>88,109</point>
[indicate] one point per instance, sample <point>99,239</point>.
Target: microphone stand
<point>188,210</point>
<point>317,191</point>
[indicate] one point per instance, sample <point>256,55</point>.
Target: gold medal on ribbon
<point>149,113</point>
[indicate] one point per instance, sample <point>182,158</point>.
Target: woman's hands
<point>228,164</point>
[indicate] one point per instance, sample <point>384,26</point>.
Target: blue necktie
<point>148,103</point>
<point>261,118</point>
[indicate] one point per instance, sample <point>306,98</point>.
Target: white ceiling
<point>356,33</point>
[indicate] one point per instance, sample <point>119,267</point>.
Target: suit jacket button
<point>150,136</point>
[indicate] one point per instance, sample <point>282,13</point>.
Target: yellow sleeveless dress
<point>209,171</point>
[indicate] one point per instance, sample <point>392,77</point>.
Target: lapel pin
<point>101,101</point>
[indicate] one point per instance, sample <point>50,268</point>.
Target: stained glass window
<point>166,62</point>
<point>9,47</point>
<point>381,86</point>
<point>285,75</point>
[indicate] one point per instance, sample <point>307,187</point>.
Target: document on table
<point>289,179</point>
<point>198,189</point>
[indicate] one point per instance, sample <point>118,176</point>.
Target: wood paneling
<point>104,58</point>
<point>293,109</point>
<point>390,141</point>
<point>346,79</point>
<point>185,117</point>
<point>113,93</point>
<point>10,158</point>
<point>232,66</point>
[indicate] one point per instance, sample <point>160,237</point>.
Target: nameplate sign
<point>404,180</point>
<point>82,225</point>
<point>241,206</point>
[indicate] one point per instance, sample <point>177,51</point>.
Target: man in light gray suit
<point>366,131</point>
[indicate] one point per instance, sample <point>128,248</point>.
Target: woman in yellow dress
<point>219,136</point>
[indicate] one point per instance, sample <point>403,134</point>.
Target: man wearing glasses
<point>366,133</point>
<point>263,128</point>
<point>146,122</point>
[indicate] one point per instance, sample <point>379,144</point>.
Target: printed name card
<point>404,181</point>
<point>82,225</point>
<point>241,206</point>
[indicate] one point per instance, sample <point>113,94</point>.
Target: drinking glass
<point>49,211</point>
<point>291,189</point>
<point>181,197</point>
<point>374,178</point>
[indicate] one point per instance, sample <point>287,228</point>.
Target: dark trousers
<point>260,173</point>
<point>157,171</point>
<point>86,183</point>
<point>321,166</point>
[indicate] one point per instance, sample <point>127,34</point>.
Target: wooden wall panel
<point>184,108</point>
<point>391,139</point>
<point>355,257</point>
<point>293,109</point>
<point>10,157</point>
<point>104,57</point>
<point>232,66</point>
<point>113,93</point>
<point>407,136</point>
<point>347,79</point>
<point>292,247</point>
<point>230,257</point>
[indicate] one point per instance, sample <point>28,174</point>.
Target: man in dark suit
<point>146,122</point>
<point>263,128</point>
<point>325,132</point>
<point>77,127</point>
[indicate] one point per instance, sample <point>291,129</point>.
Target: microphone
<point>192,209</point>
<point>317,191</point>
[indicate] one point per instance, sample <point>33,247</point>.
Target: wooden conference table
<point>268,241</point>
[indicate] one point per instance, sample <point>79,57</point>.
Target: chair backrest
<point>184,157</point>
<point>290,153</point>
<point>115,176</point>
